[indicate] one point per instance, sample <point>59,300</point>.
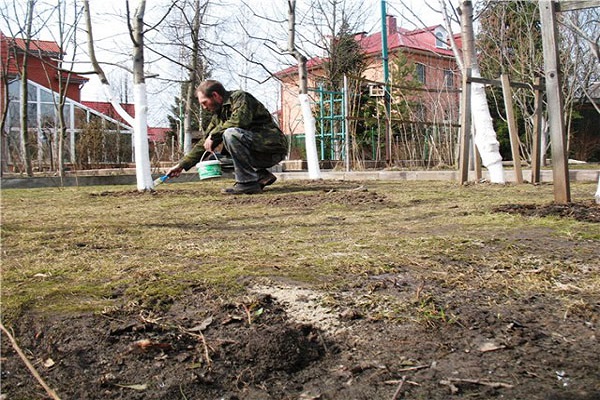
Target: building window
<point>440,40</point>
<point>421,77</point>
<point>420,112</point>
<point>14,90</point>
<point>448,78</point>
<point>440,43</point>
<point>46,96</point>
<point>13,115</point>
<point>31,92</point>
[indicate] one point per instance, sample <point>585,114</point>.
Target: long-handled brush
<point>161,179</point>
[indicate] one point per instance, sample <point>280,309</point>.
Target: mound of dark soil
<point>587,211</point>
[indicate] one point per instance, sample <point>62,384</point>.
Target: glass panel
<point>31,92</point>
<point>125,150</point>
<point>111,126</point>
<point>67,147</point>
<point>14,145</point>
<point>111,147</point>
<point>32,115</point>
<point>47,115</point>
<point>80,118</point>
<point>45,96</point>
<point>439,40</point>
<point>449,78</point>
<point>14,113</point>
<point>67,114</point>
<point>14,90</point>
<point>96,119</point>
<point>421,73</point>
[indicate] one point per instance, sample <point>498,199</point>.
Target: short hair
<point>209,86</point>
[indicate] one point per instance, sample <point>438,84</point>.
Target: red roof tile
<point>44,46</point>
<point>416,40</point>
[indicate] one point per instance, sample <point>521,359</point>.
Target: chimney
<point>390,22</point>
<point>360,36</point>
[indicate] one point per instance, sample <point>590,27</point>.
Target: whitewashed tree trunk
<point>187,134</point>
<point>310,128</point>
<point>312,158</point>
<point>143,171</point>
<point>597,196</point>
<point>485,135</point>
<point>140,122</point>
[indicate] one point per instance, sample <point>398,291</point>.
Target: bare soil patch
<point>256,349</point>
<point>587,211</point>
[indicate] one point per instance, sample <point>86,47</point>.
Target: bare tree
<point>67,31</point>
<point>314,171</point>
<point>182,43</point>
<point>580,55</point>
<point>3,123</point>
<point>333,26</point>
<point>510,44</point>
<point>195,69</point>
<point>26,145</point>
<point>582,44</point>
<point>139,123</point>
<point>24,24</point>
<point>485,135</point>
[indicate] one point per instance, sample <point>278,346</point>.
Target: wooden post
<point>560,172</point>
<point>465,127</point>
<point>537,152</point>
<point>476,159</point>
<point>512,128</point>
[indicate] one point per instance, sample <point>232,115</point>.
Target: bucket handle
<point>212,152</point>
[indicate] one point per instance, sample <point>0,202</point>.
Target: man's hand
<point>175,171</point>
<point>208,144</point>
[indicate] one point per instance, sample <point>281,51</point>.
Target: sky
<point>113,46</point>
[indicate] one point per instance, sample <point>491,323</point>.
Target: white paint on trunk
<point>140,136</point>
<point>598,192</point>
<point>485,135</point>
<point>312,158</point>
<point>140,133</point>
<point>545,138</point>
<point>117,105</point>
<point>187,141</point>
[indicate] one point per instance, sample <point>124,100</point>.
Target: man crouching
<point>247,131</point>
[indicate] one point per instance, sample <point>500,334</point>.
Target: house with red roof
<point>428,49</point>
<point>96,135</point>
<point>42,65</point>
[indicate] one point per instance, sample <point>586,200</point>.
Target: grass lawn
<point>445,248</point>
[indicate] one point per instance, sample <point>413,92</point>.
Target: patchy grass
<point>415,283</point>
<point>87,248</point>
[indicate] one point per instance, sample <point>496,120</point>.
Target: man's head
<point>211,95</point>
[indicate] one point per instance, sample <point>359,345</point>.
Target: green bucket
<point>209,169</point>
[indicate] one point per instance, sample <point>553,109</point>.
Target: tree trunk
<point>25,145</point>
<point>140,123</point>
<point>193,81</point>
<point>485,135</point>
<point>312,159</point>
<point>140,130</point>
<point>3,122</point>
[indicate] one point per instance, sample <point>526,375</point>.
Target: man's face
<point>211,103</point>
